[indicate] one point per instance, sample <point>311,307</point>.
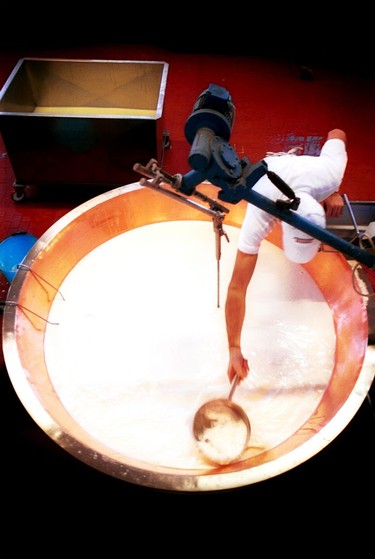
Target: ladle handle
<point>233,387</point>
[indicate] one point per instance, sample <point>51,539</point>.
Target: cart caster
<point>24,192</point>
<point>19,192</point>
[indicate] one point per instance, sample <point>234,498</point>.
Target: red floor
<point>278,105</point>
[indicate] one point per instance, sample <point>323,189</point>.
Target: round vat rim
<point>95,455</point>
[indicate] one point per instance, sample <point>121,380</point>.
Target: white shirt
<point>320,176</point>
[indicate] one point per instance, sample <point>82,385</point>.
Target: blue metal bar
<point>323,235</point>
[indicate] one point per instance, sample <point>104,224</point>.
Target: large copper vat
<point>42,354</point>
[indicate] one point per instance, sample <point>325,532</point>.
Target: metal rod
<point>310,228</point>
<point>178,197</point>
<point>352,217</point>
<point>28,269</point>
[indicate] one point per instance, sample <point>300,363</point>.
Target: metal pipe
<point>310,228</point>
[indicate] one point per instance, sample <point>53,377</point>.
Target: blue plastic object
<point>13,250</point>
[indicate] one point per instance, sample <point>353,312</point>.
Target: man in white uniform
<point>313,179</point>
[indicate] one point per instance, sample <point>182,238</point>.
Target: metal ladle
<point>222,429</point>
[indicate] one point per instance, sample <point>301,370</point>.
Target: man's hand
<point>238,365</point>
<point>334,205</point>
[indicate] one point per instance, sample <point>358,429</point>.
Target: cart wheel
<point>18,196</point>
